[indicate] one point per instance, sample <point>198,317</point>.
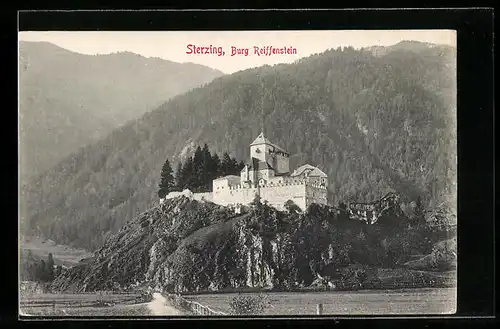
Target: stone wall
<point>279,194</point>
<point>316,194</point>
<point>205,196</point>
<point>276,195</point>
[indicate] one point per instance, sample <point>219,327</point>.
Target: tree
<point>188,173</point>
<point>179,177</point>
<point>41,274</point>
<point>344,215</point>
<point>216,167</point>
<point>226,164</point>
<point>292,207</point>
<point>241,166</point>
<point>198,170</point>
<point>167,180</point>
<point>256,200</point>
<point>50,267</point>
<point>419,213</point>
<point>234,168</point>
<point>207,167</point>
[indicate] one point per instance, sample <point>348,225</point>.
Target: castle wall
<point>318,180</point>
<point>232,196</point>
<point>278,195</point>
<point>244,174</point>
<point>206,196</point>
<point>275,195</point>
<point>226,182</point>
<point>316,194</point>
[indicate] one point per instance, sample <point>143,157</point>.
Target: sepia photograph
<point>237,173</point>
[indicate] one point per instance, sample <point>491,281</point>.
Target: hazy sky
<point>173,45</point>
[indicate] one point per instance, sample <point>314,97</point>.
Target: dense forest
<point>68,100</point>
<point>197,172</point>
<point>373,123</point>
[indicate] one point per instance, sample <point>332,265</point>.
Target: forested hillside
<point>374,124</point>
<point>68,100</point>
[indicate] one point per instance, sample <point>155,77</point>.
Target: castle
<point>267,174</point>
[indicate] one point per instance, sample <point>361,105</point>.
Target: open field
<point>387,302</point>
<point>63,255</point>
<point>132,304</point>
<point>122,310</point>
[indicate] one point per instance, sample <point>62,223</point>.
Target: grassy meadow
<point>389,302</point>
<point>95,304</point>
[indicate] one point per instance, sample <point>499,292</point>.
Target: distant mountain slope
<point>407,45</point>
<point>373,124</point>
<point>68,100</point>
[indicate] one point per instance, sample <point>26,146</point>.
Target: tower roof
<point>261,139</point>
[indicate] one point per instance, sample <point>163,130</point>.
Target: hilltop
<point>373,124</point>
<point>187,246</point>
<point>408,45</point>
<point>68,100</point>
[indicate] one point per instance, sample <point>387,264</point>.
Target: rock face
<point>184,245</point>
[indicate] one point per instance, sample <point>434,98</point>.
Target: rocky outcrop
<point>128,258</point>
<point>184,245</point>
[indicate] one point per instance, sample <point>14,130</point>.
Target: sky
<point>173,45</point>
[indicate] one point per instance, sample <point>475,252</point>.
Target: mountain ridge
<point>68,100</point>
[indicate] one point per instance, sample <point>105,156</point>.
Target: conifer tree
<point>216,167</point>
<point>188,173</point>
<point>207,161</point>
<point>233,167</point>
<point>240,166</point>
<point>179,178</point>
<point>40,273</point>
<point>198,174</point>
<point>167,180</point>
<point>419,213</point>
<point>226,164</point>
<point>50,267</point>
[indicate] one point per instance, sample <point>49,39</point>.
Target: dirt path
<point>160,306</point>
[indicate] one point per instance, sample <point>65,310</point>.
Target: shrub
<point>292,207</point>
<point>248,304</point>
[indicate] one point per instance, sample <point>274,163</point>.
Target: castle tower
<point>260,147</point>
<point>270,154</point>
